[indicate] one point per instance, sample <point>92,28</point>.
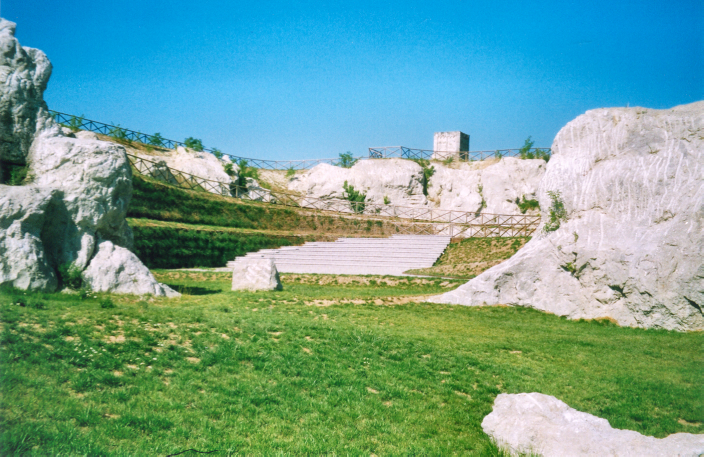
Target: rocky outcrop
<point>75,196</point>
<point>534,424</point>
<point>199,164</point>
<point>491,186</point>
<point>630,246</point>
<point>115,269</point>
<point>397,181</point>
<point>24,73</point>
<point>255,275</point>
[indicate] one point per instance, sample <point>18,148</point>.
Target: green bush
<point>156,140</point>
<point>246,172</point>
<point>75,123</point>
<point>228,168</point>
<point>70,276</point>
<point>524,205</point>
<point>13,174</point>
<point>172,248</point>
<point>346,160</point>
<point>119,134</point>
<point>556,213</point>
<point>428,171</point>
<point>194,144</point>
<point>107,303</point>
<point>217,153</point>
<point>356,198</point>
<point>290,172</point>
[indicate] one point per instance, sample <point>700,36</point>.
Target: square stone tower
<point>450,142</point>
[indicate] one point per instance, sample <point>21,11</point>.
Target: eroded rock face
<point>115,269</point>
<point>76,196</point>
<point>631,247</point>
<point>537,424</point>
<point>255,275</point>
<point>23,262</point>
<point>498,182</point>
<point>24,73</point>
<point>199,164</point>
<point>464,186</point>
<point>400,181</point>
<point>95,183</point>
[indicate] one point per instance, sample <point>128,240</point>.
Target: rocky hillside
<point>622,207</point>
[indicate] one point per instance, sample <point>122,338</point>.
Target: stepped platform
<point>357,256</point>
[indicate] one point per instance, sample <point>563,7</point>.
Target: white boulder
<point>115,269</point>
<point>631,245</point>
<point>23,262</point>
<point>24,73</point>
<point>77,195</point>
<point>255,275</point>
<point>537,424</point>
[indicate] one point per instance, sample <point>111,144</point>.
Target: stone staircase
<point>357,256</point>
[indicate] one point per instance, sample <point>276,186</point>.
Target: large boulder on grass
<point>75,195</point>
<point>622,200</point>
<point>255,274</point>
<point>115,269</point>
<point>534,424</point>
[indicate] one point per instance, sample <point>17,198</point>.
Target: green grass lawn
<point>328,366</point>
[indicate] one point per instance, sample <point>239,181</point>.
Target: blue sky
<point>311,79</point>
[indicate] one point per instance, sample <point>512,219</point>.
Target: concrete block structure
<point>445,143</point>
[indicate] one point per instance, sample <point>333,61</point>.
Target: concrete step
<point>357,256</point>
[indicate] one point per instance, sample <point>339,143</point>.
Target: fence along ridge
<point>379,152</point>
<point>420,220</point>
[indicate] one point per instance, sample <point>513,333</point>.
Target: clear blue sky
<point>308,79</point>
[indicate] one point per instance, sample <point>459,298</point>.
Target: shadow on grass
<point>193,290</point>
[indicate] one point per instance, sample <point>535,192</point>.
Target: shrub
<point>544,154</point>
<point>194,144</point>
<point>525,151</point>
<point>483,203</point>
<point>386,200</point>
<point>13,175</point>
<point>246,172</point>
<point>70,276</point>
<point>75,123</point>
<point>217,153</point>
<point>346,160</point>
<point>356,198</point>
<point>119,134</point>
<point>524,205</point>
<point>290,172</point>
<point>428,171</point>
<point>228,168</point>
<point>107,303</point>
<point>556,213</point>
<point>497,154</point>
<point>156,140</point>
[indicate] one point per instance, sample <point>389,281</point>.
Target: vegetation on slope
<point>275,373</point>
<point>468,258</point>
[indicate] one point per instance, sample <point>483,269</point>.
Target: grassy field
<point>328,366</point>
<point>468,258</point>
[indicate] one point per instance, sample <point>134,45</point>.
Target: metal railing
<point>120,133</point>
<point>408,220</point>
<point>384,152</point>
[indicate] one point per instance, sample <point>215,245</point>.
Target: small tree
<point>356,198</point>
<point>346,160</point>
<point>156,140</point>
<point>525,150</point>
<point>556,213</point>
<point>194,144</point>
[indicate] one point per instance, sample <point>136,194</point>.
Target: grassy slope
<point>470,257</point>
<point>271,374</point>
